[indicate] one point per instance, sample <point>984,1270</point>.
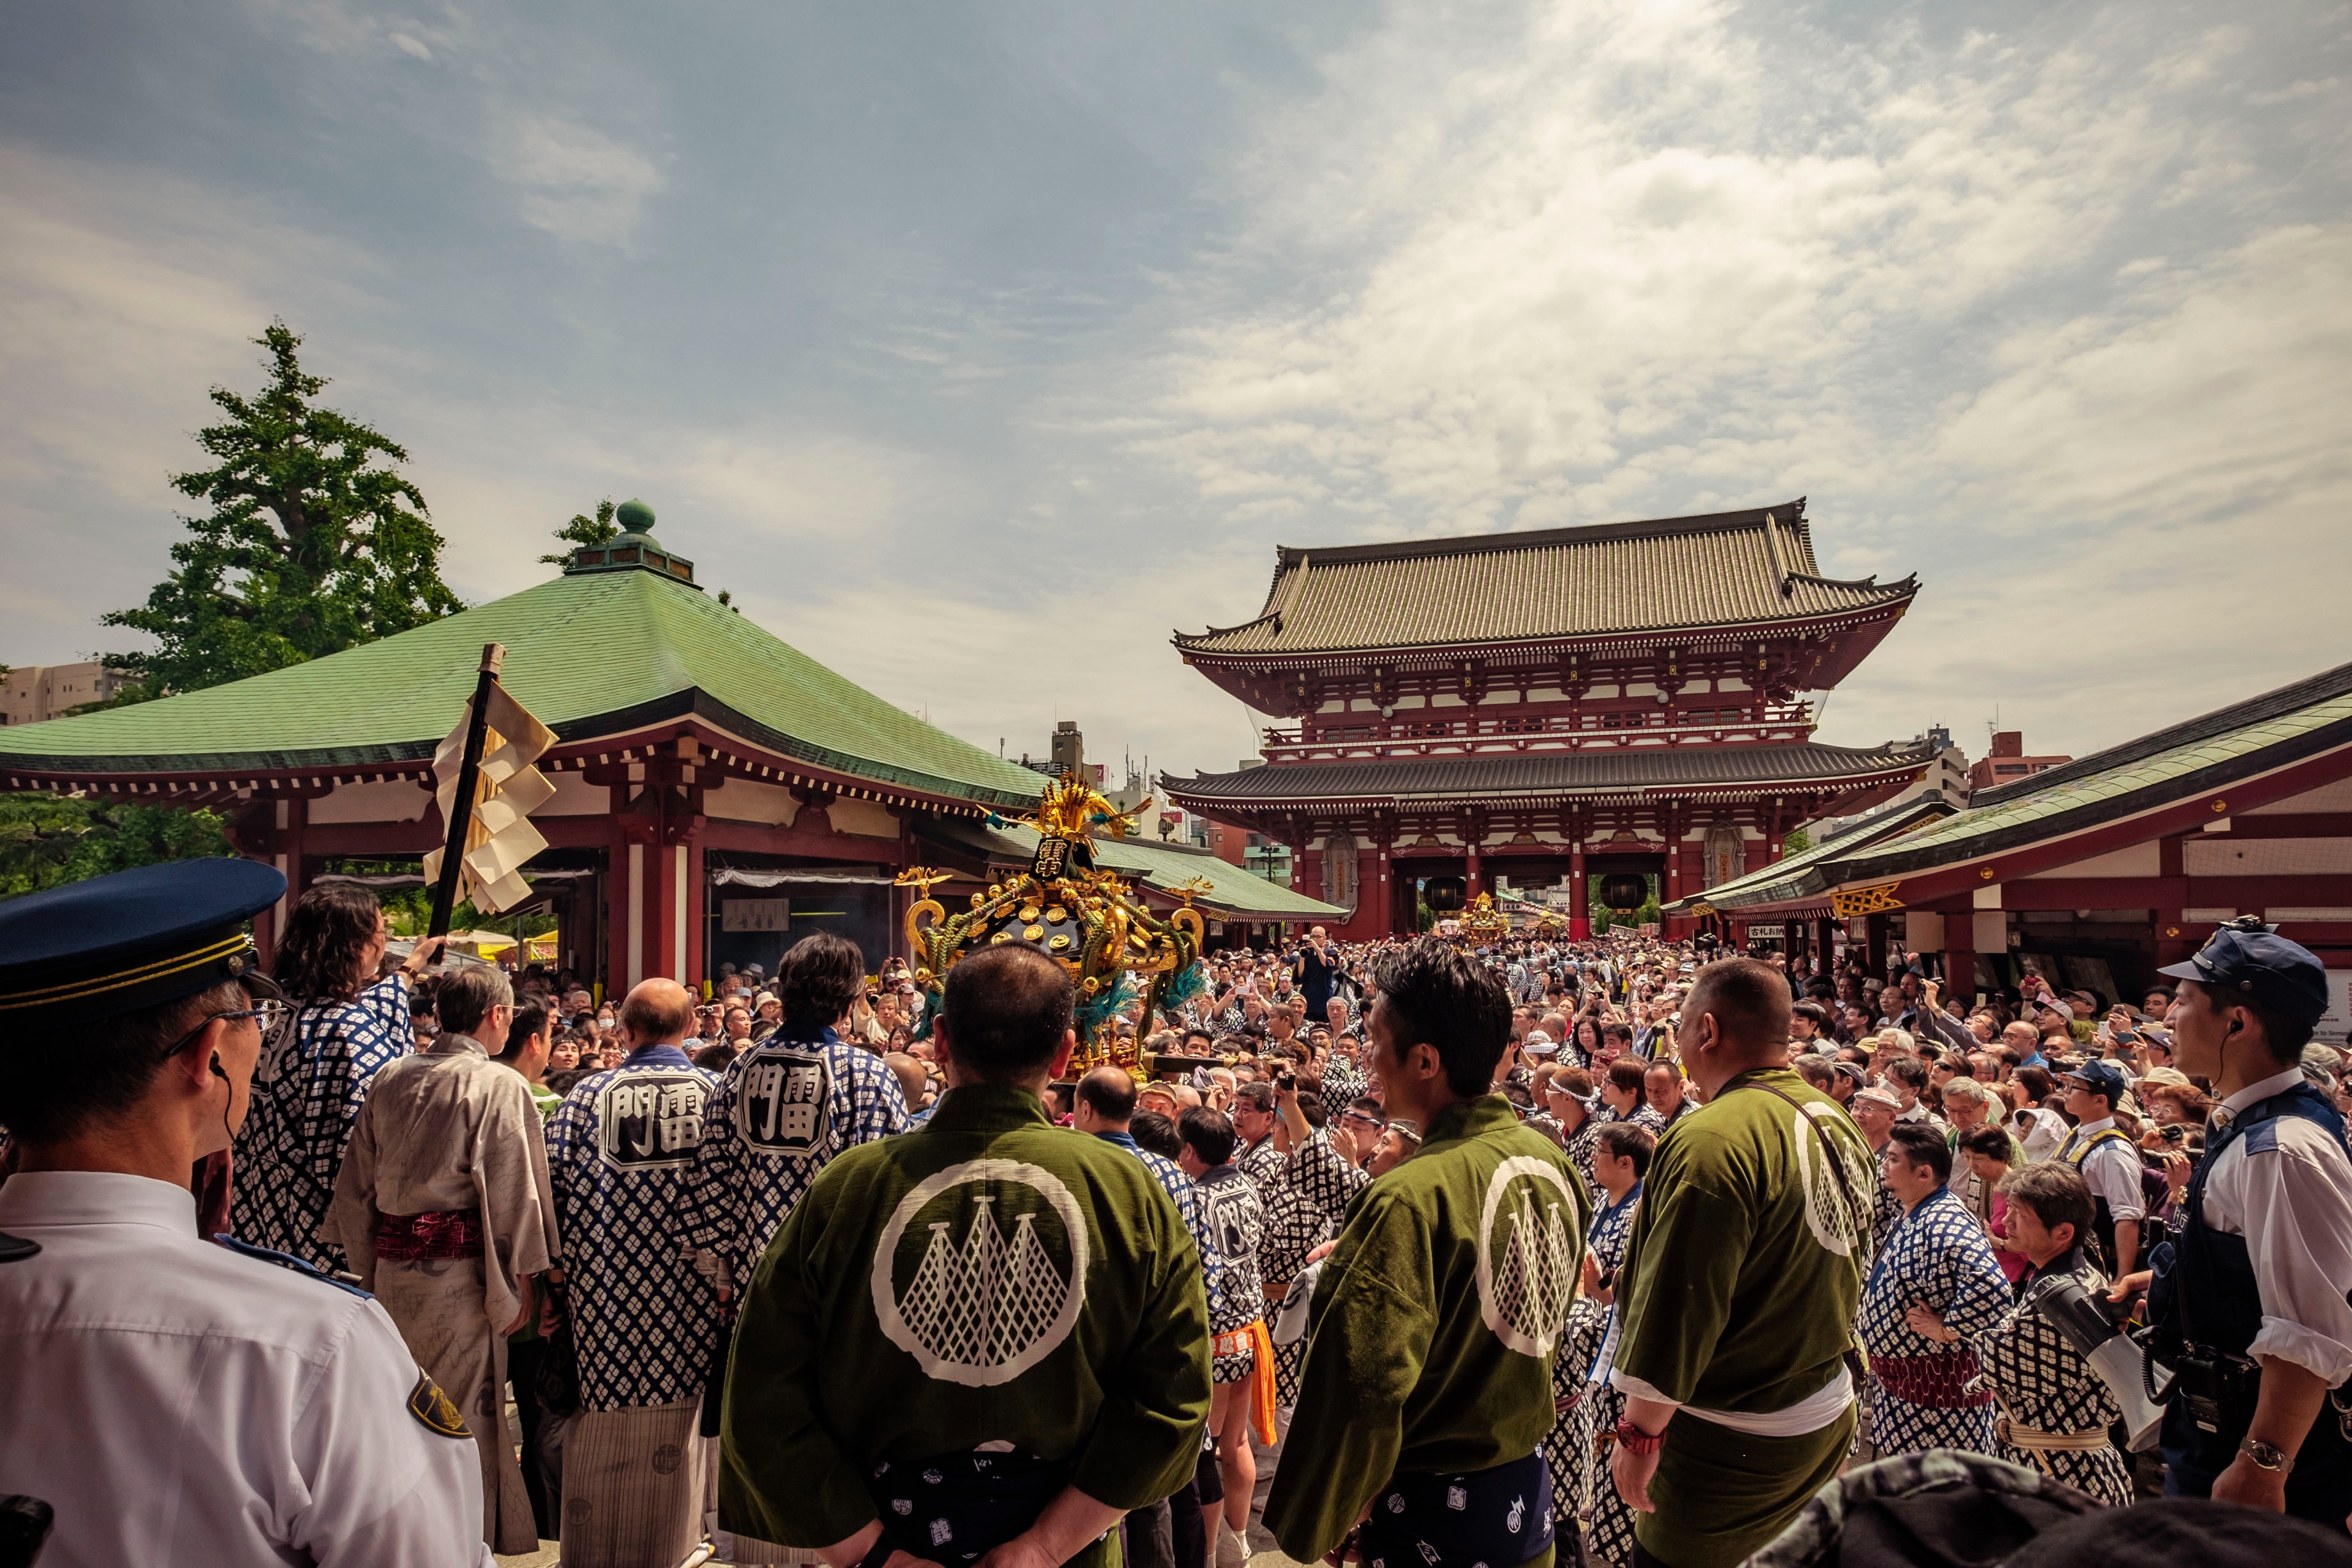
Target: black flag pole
<point>469,776</point>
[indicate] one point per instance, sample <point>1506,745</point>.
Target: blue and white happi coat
<point>619,1151</point>
<point>1577,1374</point>
<point>783,1110</point>
<point>1303,1210</point>
<point>1935,1255</point>
<point>1234,1220</point>
<point>308,1088</point>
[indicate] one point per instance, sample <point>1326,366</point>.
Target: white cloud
<point>577,183</point>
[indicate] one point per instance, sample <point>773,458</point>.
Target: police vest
<point>2205,1297</point>
<point>2103,1218</point>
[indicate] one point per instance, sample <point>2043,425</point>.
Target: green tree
<point>584,529</point>
<point>48,840</point>
<point>315,543</point>
<point>1795,838</point>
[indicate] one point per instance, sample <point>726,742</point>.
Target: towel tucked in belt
<point>1498,1518</point>
<point>436,1233</point>
<point>1952,1381</point>
<point>954,1507</point>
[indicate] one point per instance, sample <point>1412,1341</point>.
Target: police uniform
<point>2265,1250</point>
<point>2107,1160</point>
<point>176,1400</point>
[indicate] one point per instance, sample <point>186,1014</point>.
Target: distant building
<point>2008,763</point>
<point>34,692</point>
<point>1945,779</point>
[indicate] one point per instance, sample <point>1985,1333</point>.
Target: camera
<point>1286,1081</point>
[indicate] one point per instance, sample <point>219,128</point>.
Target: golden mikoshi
<point>1087,920</point>
<point>1481,922</point>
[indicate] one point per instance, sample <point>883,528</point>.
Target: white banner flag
<point>500,839</point>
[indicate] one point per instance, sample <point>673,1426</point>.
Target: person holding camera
<point>2248,1303</point>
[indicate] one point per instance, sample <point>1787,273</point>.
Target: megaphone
<point>2082,1323</point>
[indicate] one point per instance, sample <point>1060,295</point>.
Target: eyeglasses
<point>268,1012</point>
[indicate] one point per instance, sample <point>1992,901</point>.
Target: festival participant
<point>347,1025</point>
<point>1664,1084</point>
<point>636,1469</point>
<point>1304,1209</point>
<point>1241,1361</point>
<point>172,1400</point>
<point>1256,1155</point>
<point>1737,1297</point>
<point>2054,1410</point>
<point>443,1207</point>
<point>986,1283</point>
<point>1624,1091</point>
<point>1573,1108</point>
<point>1581,1392</point>
<point>1417,1425</point>
<point>1933,1287</point>
<point>1162,1535</point>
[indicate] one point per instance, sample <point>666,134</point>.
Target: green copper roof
<point>2207,753</point>
<point>589,653</point>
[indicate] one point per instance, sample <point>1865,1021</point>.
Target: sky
<point>976,348</point>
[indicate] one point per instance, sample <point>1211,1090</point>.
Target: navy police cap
<point>2248,960</point>
<point>114,944</point>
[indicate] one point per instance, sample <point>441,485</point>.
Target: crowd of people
<point>1403,1249</point>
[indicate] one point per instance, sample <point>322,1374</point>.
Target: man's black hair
<point>1625,1140</point>
<point>1152,1130</point>
<point>1005,1010</point>
<point>112,1065</point>
<point>1438,997</point>
<point>1923,1145</point>
<point>528,1021</point>
<point>818,979</point>
<point>1207,1133</point>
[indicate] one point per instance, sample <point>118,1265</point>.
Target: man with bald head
<point>620,1152</point>
<point>1736,1302</point>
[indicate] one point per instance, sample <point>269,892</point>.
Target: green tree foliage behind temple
<point>314,544</point>
<point>46,841</point>
<point>584,529</point>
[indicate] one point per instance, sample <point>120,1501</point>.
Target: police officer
<point>2249,1302</point>
<point>2109,1161</point>
<point>176,1400</point>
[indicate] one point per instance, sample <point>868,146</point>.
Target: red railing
<point>1429,734</point>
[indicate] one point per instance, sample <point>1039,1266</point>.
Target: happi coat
<point>1736,1301</point>
<point>449,1132</point>
<point>308,1087</point>
<point>1305,1206</point>
<point>2040,1381</point>
<point>988,1279</point>
<point>1924,1394</point>
<point>1579,1380</point>
<point>1435,1322</point>
<point>1233,1218</point>
<point>619,1153</point>
<point>784,1107</point>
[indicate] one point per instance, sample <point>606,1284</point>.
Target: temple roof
<point>2183,762</point>
<point>1657,770</point>
<point>1725,568</point>
<point>591,653</point>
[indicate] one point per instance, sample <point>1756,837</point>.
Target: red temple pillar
<point>1580,916</point>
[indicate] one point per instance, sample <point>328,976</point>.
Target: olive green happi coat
<point>1435,1322</point>
<point>1741,1280</point>
<point>987,1279</point>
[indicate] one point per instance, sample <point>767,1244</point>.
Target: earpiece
<point>214,1068</point>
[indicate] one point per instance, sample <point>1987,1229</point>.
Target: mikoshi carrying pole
<point>469,778</point>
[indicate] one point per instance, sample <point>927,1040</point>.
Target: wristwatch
<point>2269,1456</point>
<point>1633,1440</point>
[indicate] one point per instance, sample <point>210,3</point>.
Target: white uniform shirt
<point>2294,1206</point>
<point>177,1403</point>
<point>2111,1170</point>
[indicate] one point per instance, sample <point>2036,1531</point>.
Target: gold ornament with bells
<point>1087,920</point>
